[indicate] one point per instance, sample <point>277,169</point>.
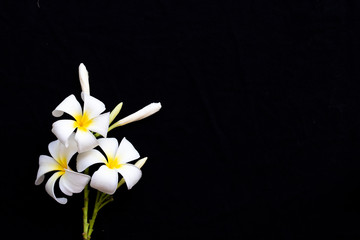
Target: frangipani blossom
<point>105,179</point>
<point>70,181</point>
<point>85,121</point>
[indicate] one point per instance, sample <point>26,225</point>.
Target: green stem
<point>112,127</point>
<point>85,210</point>
<point>101,200</point>
<point>103,196</point>
<point>122,181</point>
<point>94,215</point>
<point>106,202</point>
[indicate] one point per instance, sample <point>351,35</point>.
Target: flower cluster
<point>77,139</point>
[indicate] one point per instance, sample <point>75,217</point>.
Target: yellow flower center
<point>62,164</point>
<point>82,122</point>
<point>113,163</point>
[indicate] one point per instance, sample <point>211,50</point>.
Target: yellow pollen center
<point>82,122</point>
<point>62,164</point>
<point>113,163</point>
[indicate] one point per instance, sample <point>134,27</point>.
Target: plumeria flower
<point>85,121</point>
<point>70,182</point>
<point>117,159</point>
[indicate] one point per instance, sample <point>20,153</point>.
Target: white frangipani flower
<point>105,179</point>
<point>70,181</point>
<point>84,79</point>
<point>141,114</point>
<point>86,120</point>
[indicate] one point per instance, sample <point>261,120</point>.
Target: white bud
<point>84,79</point>
<point>141,114</point>
<point>141,162</point>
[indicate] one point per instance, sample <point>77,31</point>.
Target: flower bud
<point>84,79</point>
<point>141,114</point>
<point>115,112</point>
<point>141,162</point>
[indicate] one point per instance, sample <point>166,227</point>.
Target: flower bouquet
<point>83,139</point>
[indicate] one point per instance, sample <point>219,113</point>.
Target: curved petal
<point>92,106</point>
<point>63,129</point>
<point>86,159</point>
<point>73,182</point>
<point>49,187</point>
<point>53,148</point>
<point>64,187</point>
<point>109,146</point>
<point>100,124</point>
<point>46,164</point>
<point>141,114</point>
<point>126,152</point>
<point>105,180</point>
<point>69,105</point>
<point>58,150</point>
<point>71,149</point>
<point>85,140</point>
<point>130,173</point>
<point>84,79</point>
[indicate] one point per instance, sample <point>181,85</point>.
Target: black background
<point>258,137</point>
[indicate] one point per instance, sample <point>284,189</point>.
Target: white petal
<point>100,124</point>
<point>70,106</point>
<point>59,151</point>
<point>126,151</point>
<point>73,182</point>
<point>92,106</point>
<point>109,146</point>
<point>84,79</point>
<point>130,173</point>
<point>85,140</point>
<point>86,159</point>
<point>71,149</point>
<point>54,149</point>
<point>46,164</point>
<point>141,114</point>
<point>105,180</point>
<point>49,187</point>
<point>63,129</point>
<point>64,188</point>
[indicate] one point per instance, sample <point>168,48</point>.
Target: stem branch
<point>85,210</point>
